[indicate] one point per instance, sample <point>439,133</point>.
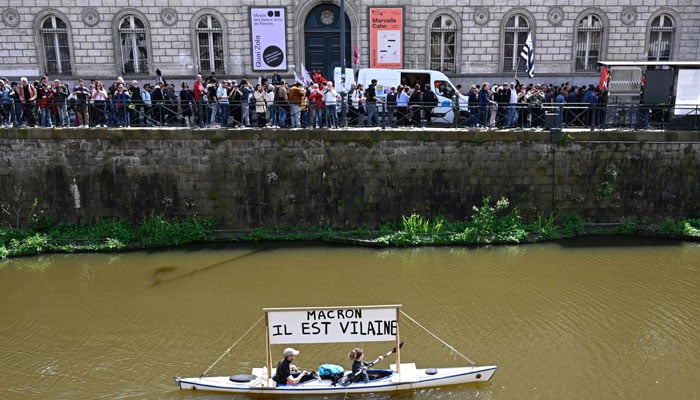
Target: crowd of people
<point>513,105</point>
<point>214,102</point>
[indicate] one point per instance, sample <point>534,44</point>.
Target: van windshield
<point>444,89</point>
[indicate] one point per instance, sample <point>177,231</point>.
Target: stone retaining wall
<point>249,178</point>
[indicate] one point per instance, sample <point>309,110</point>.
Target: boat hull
<point>411,379</point>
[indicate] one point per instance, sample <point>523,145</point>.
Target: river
<point>594,318</point>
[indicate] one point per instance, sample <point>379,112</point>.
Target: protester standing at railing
<point>187,103</point>
<point>372,100</point>
<point>402,105</point>
<point>455,109</point>
<point>136,101</point>
<point>260,104</point>
<point>512,112</point>
<point>27,95</point>
<point>234,102</point>
<point>305,113</point>
<point>484,105</point>
<point>415,103</point>
<point>99,98</point>
<point>17,105</point>
<point>60,99</point>
<point>147,104</point>
<point>473,105</point>
<point>330,101</point>
<point>6,93</point>
<point>590,99</point>
<point>560,101</point>
<point>222,97</point>
<point>81,94</point>
<point>391,105</point>
<point>246,93</point>
<point>213,106</point>
<point>358,106</point>
<point>45,103</point>
<point>158,101</point>
<point>270,108</point>
<point>352,104</point>
<point>296,94</point>
<point>282,103</point>
<point>430,101</point>
<point>121,103</point>
<point>200,100</point>
<point>316,105</point>
<point>602,109</point>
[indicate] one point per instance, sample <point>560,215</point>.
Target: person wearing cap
<point>283,374</point>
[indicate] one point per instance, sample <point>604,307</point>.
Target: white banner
<point>332,325</point>
<point>268,31</point>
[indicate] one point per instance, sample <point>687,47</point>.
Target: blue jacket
<point>5,93</point>
<point>590,97</point>
<point>483,98</point>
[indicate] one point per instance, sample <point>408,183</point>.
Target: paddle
<point>349,378</point>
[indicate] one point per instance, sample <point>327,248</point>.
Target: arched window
<point>516,31</point>
<point>443,34</point>
<point>211,44</point>
<point>54,37</point>
<point>589,40</point>
<point>133,40</point>
<point>661,38</point>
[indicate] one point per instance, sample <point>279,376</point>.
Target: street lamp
<point>342,63</point>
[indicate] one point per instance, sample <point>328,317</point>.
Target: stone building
<point>467,40</point>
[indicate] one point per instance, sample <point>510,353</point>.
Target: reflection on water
<point>593,318</point>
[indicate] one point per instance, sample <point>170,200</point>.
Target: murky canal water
<point>590,319</point>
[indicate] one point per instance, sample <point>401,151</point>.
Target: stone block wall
<point>248,179</point>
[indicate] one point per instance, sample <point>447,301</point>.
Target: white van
<point>439,82</point>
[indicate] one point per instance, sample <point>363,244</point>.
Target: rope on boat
<point>444,343</point>
<point>232,346</point>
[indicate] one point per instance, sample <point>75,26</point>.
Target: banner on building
<point>269,35</point>
<point>386,37</point>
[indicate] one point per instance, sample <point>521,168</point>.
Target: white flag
<point>528,53</point>
<point>305,75</point>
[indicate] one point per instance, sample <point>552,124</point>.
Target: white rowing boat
<point>336,325</point>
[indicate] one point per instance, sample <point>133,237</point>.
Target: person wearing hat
<point>283,375</point>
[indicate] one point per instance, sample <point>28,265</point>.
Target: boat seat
<point>242,378</point>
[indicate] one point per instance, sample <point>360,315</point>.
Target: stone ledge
<point>346,134</point>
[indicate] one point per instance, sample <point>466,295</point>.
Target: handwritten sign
<point>332,325</point>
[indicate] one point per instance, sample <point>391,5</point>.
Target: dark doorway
<point>322,40</point>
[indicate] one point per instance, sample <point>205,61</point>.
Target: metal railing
<point>492,116</point>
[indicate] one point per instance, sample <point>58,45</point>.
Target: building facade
<point>474,39</point>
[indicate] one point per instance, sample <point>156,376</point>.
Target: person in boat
<point>288,373</point>
<point>359,365</point>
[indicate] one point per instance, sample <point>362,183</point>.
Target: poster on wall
<point>386,37</point>
<point>269,35</point>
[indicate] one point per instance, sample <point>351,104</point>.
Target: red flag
<point>355,56</point>
<point>604,78</point>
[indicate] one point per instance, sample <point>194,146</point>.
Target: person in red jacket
<point>200,100</point>
<point>316,104</point>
